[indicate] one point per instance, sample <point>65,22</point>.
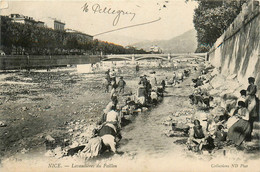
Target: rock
<point>177,114</point>
<point>70,130</point>
<point>25,108</point>
<point>76,128</point>
<point>74,144</point>
<point>218,81</point>
<point>206,87</point>
<point>47,107</point>
<point>217,111</point>
<point>138,110</point>
<point>77,133</point>
<point>232,76</point>
<point>200,115</point>
<point>188,119</point>
<point>168,118</point>
<point>168,133</point>
<point>49,138</point>
<point>58,152</point>
<point>167,123</point>
<point>66,140</point>
<point>2,124</point>
<point>175,134</point>
<point>23,151</point>
<point>144,109</point>
<point>215,92</point>
<point>49,153</point>
<point>204,152</point>
<point>49,142</point>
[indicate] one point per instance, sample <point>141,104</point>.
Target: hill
<point>184,43</point>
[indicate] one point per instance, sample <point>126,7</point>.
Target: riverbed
<point>39,103</point>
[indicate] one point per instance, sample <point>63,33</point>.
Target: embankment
<point>11,62</point>
<point>237,51</point>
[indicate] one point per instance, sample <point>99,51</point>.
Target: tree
<point>211,19</point>
<point>37,40</point>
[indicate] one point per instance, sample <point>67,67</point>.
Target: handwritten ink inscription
<point>97,9</point>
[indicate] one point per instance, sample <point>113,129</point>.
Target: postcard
<point>127,85</point>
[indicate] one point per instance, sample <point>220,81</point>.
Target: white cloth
<point>212,128</point>
<point>244,113</point>
<point>93,148</point>
<point>180,75</point>
<point>108,107</point>
<point>154,95</point>
<point>112,116</point>
<point>141,100</point>
<point>232,120</point>
<point>153,80</point>
<point>109,140</point>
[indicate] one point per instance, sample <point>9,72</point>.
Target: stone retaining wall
<point>237,51</point>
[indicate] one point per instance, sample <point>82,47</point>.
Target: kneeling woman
<point>198,139</point>
<point>110,130</point>
<point>110,135</point>
<point>241,128</point>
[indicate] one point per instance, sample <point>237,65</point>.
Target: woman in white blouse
<point>241,128</point>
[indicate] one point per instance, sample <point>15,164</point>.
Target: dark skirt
<point>239,131</point>
<point>106,130</point>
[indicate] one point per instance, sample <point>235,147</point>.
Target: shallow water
<point>145,135</point>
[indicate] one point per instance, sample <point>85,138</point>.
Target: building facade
<point>54,23</point>
<point>155,49</point>
<point>40,24</point>
<point>58,25</point>
<point>19,18</point>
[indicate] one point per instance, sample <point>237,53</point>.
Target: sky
<point>136,20</point>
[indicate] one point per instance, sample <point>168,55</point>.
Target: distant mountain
<point>118,39</point>
<point>184,43</point>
